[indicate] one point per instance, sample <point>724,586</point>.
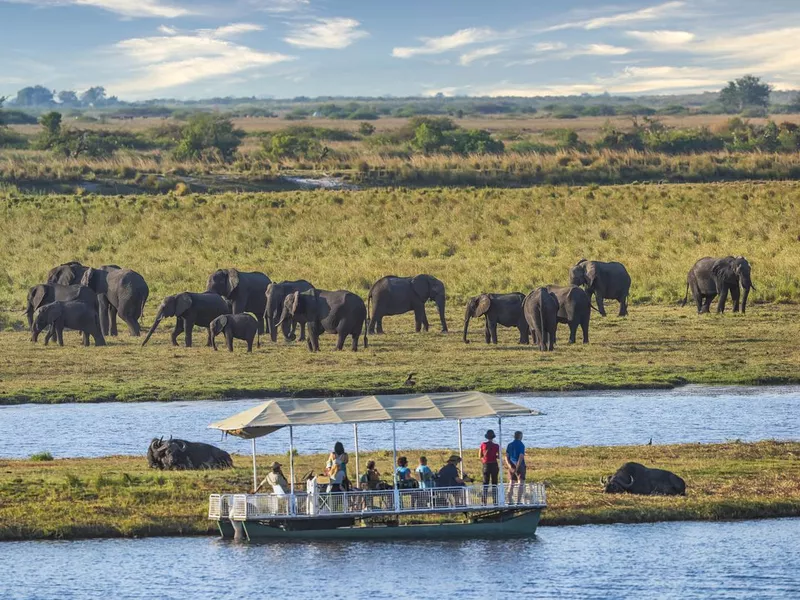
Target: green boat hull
<point>520,524</point>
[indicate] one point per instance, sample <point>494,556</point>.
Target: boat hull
<point>522,524</point>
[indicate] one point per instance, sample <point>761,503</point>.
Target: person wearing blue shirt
<point>424,474</point>
<point>404,479</point>
<point>515,462</point>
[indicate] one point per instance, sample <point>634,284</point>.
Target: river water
<point>687,414</point>
<point>747,559</point>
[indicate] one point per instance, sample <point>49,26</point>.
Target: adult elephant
<point>711,276</point>
<point>604,280</point>
<point>119,291</point>
<point>67,273</point>
<point>276,294</point>
<point>46,293</point>
<point>574,309</point>
<point>540,308</point>
<point>498,309</point>
<point>246,291</point>
<point>392,295</point>
<point>340,312</point>
<point>190,309</point>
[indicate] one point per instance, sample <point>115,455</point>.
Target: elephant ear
<point>86,280</point>
<point>591,273</point>
<point>233,280</point>
<point>220,323</point>
<point>38,296</point>
<point>183,302</point>
<point>484,302</point>
<point>422,286</point>
<point>295,303</point>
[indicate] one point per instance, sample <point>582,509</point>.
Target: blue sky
<point>178,48</point>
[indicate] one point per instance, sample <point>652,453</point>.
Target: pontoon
<point>308,511</point>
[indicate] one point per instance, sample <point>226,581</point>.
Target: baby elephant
<point>242,327</point>
<point>73,315</point>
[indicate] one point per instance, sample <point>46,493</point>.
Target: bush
<point>11,139</point>
<point>283,145</point>
<point>208,136</point>
<point>366,129</point>
<point>41,457</point>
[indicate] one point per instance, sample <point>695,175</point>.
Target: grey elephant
<point>711,276</point>
<point>498,309</point>
<point>340,312</point>
<point>540,308</point>
<point>190,309</point>
<point>574,309</point>
<point>392,295</point>
<point>69,273</point>
<point>276,294</point>
<point>74,315</point>
<point>241,327</point>
<point>246,291</point>
<point>122,292</point>
<point>45,293</point>
<point>606,280</point>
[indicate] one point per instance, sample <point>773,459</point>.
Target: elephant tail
<point>366,330</point>
<point>258,339</point>
<point>593,307</point>
<point>686,295</point>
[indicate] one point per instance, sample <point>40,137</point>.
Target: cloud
<point>279,6</point>
<point>235,29</point>
<point>166,30</point>
<point>663,39</point>
<point>600,50</point>
<point>438,45</point>
<point>126,8</point>
<point>651,13</point>
<point>469,57</point>
<point>333,33</point>
<point>163,62</point>
<point>549,46</point>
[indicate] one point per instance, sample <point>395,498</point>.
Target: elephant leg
<point>523,335</point>
<point>709,298</point>
<point>487,335</point>
<point>103,307</point>
<point>355,341</point>
<point>51,334</point>
<point>177,331</point>
<point>573,331</point>
<point>698,299</point>
<point>735,297</point>
<point>341,336</point>
<point>112,320</point>
<point>261,324</point>
<point>600,308</point>
<point>99,340</point>
<point>187,332</point>
<point>133,325</point>
<point>723,298</point>
<point>208,337</point>
<point>229,340</point>
<point>585,329</point>
<point>623,307</point>
<point>214,342</point>
<point>84,337</point>
<point>493,331</point>
<point>250,343</point>
<point>60,334</point>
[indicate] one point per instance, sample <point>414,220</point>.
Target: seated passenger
<point>404,479</point>
<point>424,474</point>
<point>449,475</point>
<point>371,478</point>
<point>276,480</point>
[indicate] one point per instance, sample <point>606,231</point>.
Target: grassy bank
<point>116,496</point>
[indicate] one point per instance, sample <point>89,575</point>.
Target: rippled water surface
<point>750,559</point>
<point>688,414</point>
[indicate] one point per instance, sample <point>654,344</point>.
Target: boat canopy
<point>281,412</point>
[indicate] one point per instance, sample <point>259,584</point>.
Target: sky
<point>187,49</point>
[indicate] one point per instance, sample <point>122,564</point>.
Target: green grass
<point>120,496</point>
<point>41,457</point>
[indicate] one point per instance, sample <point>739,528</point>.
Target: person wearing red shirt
<point>489,454</point>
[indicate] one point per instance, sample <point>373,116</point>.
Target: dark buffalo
<point>633,478</point>
<point>180,454</point>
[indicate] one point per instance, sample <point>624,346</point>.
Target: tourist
<point>448,474</point>
<point>515,461</point>
<point>371,478</point>
<point>424,474</point>
<point>275,479</point>
<point>336,468</point>
<point>404,479</point>
<point>489,453</point>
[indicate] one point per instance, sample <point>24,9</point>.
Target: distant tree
<point>68,98</point>
<point>36,95</point>
<point>746,92</point>
<point>794,106</point>
<point>208,136</point>
<point>51,124</point>
<point>94,96</point>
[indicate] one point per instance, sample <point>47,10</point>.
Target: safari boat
<point>308,512</point>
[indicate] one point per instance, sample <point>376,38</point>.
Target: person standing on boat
<point>515,461</point>
<point>336,467</point>
<point>275,479</point>
<point>489,454</point>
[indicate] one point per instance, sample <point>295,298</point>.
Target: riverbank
<point>121,497</point>
<point>655,347</point>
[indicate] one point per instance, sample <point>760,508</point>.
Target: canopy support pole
<point>394,469</point>
<point>358,468</point>
<point>291,460</point>
<point>460,449</point>
<point>501,491</point>
<point>255,473</point>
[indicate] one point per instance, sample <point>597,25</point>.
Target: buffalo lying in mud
<point>180,454</point>
<point>633,478</point>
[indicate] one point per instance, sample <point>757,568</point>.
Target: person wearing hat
<point>489,454</point>
<point>448,474</point>
<point>276,479</point>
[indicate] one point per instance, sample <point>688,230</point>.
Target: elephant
<point>393,295</point>
<point>119,291</point>
<point>540,308</point>
<point>340,312</point>
<point>604,280</point>
<point>711,276</point>
<point>190,309</point>
<point>276,294</point>
<point>246,291</point>
<point>45,293</point>
<point>502,309</point>
<point>634,478</point>
<point>69,273</point>
<point>574,309</point>
<point>242,327</point>
<point>180,454</point>
<point>74,315</point>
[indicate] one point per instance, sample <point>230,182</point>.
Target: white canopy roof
<point>280,412</point>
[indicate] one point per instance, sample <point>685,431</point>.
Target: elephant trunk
<point>159,317</point>
<point>467,317</point>
<point>29,315</point>
<point>34,334</point>
<point>745,295</point>
<point>440,305</point>
<point>271,328</point>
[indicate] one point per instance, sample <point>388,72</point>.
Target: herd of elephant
<point>245,305</point>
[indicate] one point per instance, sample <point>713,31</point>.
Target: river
<point>686,414</point>
<point>746,559</point>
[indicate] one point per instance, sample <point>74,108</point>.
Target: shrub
<point>42,457</point>
<point>366,129</point>
<point>208,136</point>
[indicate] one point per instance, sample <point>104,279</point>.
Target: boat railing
<point>245,507</point>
